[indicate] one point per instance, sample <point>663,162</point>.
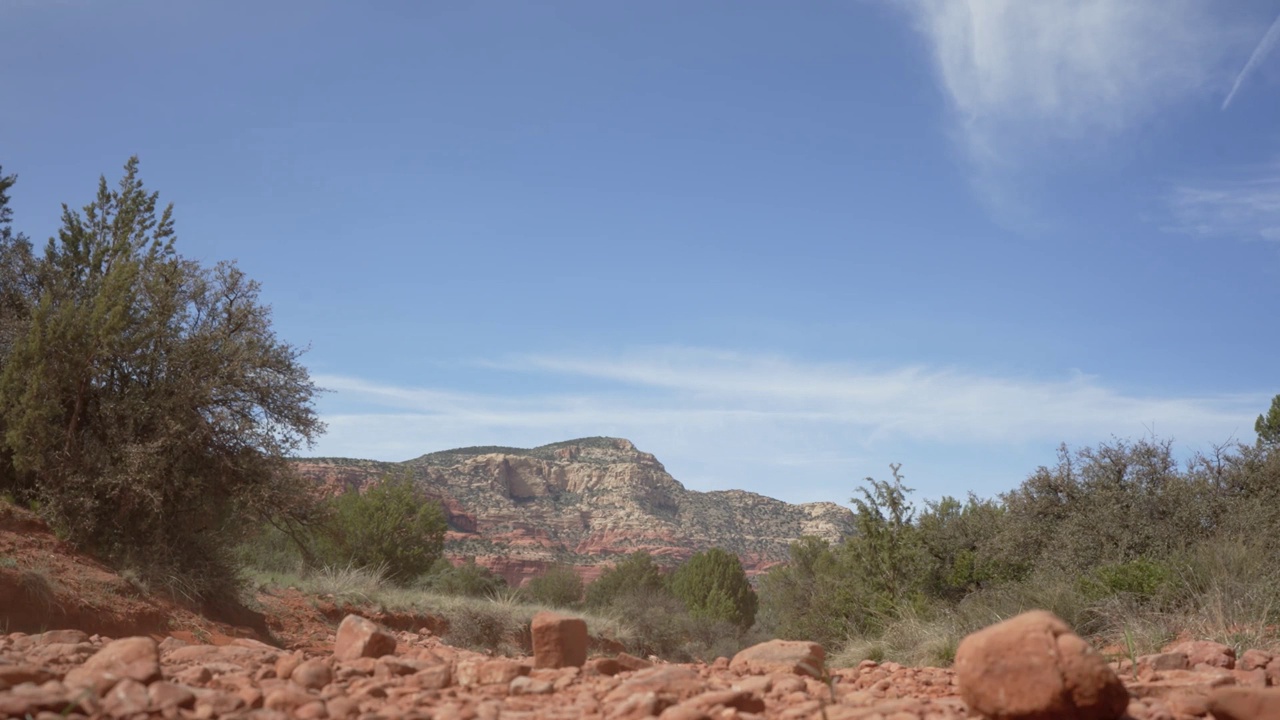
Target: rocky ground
<point>1030,667</point>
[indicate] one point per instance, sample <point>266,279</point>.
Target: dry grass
<point>499,624</point>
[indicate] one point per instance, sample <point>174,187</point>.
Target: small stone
<point>631,663</point>
<point>790,656</point>
<point>436,677</point>
<point>606,666</point>
<point>499,671</point>
<point>358,637</point>
<point>1253,659</point>
<point>64,637</point>
<point>165,695</point>
<point>528,686</point>
<point>11,675</point>
<point>286,699</point>
<point>136,658</point>
<point>128,697</point>
<point>1204,652</point>
<point>1160,662</point>
<point>1245,703</point>
<point>312,674</point>
<point>558,641</point>
<point>286,664</point>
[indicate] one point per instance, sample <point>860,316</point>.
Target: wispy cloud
<point>1264,48</point>
<point>721,419</point>
<point>1245,207</point>
<point>1029,79</point>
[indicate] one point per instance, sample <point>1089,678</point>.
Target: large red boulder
<point>1032,667</point>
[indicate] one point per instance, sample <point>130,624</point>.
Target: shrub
<point>146,402</point>
<point>558,586</point>
<point>467,579</point>
<point>636,573</point>
<point>391,525</point>
<point>713,585</point>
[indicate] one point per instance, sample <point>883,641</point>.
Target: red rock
<point>128,697</point>
<point>1032,667</point>
<point>1163,661</point>
<point>606,666</point>
<point>136,658</point>
<point>286,664</point>
<point>63,637</point>
<point>312,674</point>
<point>787,656</point>
<point>358,637</point>
<point>11,675</point>
<point>558,641</point>
<point>1245,703</point>
<point>736,699</point>
<point>286,699</point>
<point>1253,659</point>
<point>165,695</point>
<point>1203,652</point>
<point>436,677</point>
<point>528,686</point>
<point>632,663</point>
<point>670,681</point>
<point>489,672</point>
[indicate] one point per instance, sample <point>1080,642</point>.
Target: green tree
<point>391,525</point>
<point>1268,425</point>
<point>558,586</point>
<point>812,597</point>
<point>636,573</point>
<point>713,585</point>
<point>146,402</point>
<point>17,293</point>
<point>886,549</point>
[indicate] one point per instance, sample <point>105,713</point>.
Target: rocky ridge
<point>585,503</point>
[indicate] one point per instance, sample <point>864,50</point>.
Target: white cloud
<point>775,425</point>
<point>1037,86</point>
<point>1246,207</point>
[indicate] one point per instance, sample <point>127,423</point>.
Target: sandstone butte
<point>1029,668</point>
<point>588,502</point>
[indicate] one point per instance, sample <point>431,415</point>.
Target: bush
<point>391,525</point>
<point>636,573</point>
<point>145,400</point>
<point>713,585</point>
<point>467,579</point>
<point>558,586</point>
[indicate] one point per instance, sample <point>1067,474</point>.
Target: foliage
<point>713,585</point>
<point>147,404</point>
<point>1268,425</point>
<point>390,525</point>
<point>1140,578</point>
<point>636,573</point>
<point>885,553</point>
<point>558,586</point>
<point>469,579</point>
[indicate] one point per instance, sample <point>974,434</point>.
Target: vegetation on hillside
<point>146,405</point>
<point>1118,539</point>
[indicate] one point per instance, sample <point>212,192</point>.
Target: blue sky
<point>779,245</point>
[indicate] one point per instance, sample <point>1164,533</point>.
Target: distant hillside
<point>585,503</point>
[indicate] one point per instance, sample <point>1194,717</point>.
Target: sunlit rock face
<point>586,503</point>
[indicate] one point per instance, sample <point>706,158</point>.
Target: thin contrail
<point>1267,44</point>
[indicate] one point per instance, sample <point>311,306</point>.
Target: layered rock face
<point>587,503</point>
